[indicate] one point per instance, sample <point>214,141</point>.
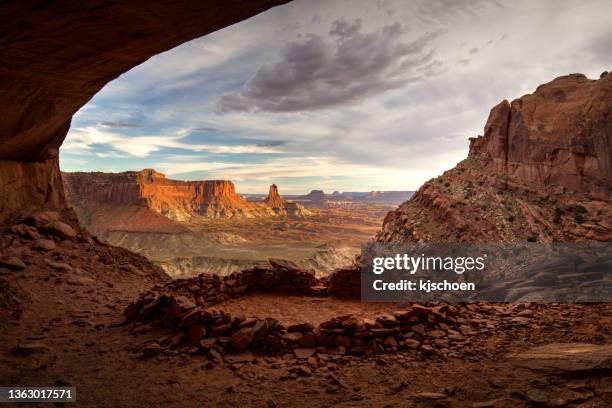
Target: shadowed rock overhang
<point>55,56</point>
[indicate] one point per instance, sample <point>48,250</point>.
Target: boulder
<point>25,231</point>
<point>42,218</point>
<point>13,263</point>
<point>151,350</point>
<point>565,358</point>
<point>44,245</point>
<point>59,266</point>
<point>196,333</point>
<point>242,338</point>
<point>304,352</point>
<point>59,229</point>
<point>431,399</point>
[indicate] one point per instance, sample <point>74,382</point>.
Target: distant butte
<point>283,207</point>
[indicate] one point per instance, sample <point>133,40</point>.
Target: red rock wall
<point>56,55</point>
<point>26,187</point>
<point>559,135</point>
<point>541,172</point>
<point>150,189</point>
<point>115,189</point>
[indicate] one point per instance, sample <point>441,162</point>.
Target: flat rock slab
<point>565,358</point>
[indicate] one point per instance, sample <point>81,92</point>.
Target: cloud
<point>348,65</point>
<point>206,129</point>
<point>270,169</point>
<point>86,139</point>
<point>121,125</point>
<point>272,143</point>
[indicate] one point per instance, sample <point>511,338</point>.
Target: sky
<point>347,95</point>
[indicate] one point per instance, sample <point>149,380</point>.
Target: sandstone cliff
<point>560,135</point>
<point>149,198</point>
<point>541,172</point>
<point>147,201</point>
<point>280,206</point>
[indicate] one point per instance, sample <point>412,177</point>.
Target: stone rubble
<point>417,329</point>
<point>277,275</point>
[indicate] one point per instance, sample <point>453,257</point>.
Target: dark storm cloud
<point>121,124</point>
<point>441,10</point>
<point>600,49</point>
<point>316,72</point>
<point>272,143</point>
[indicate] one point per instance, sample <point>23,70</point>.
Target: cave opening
<point>206,165</point>
<point>281,135</point>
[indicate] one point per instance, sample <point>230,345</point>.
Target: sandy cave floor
<point>70,318</point>
<point>103,363</point>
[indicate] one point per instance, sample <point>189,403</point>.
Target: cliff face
<point>541,172</point>
<point>174,199</point>
<point>27,187</point>
<point>560,135</point>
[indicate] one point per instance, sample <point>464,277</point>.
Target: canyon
<point>192,227</point>
<point>305,330</point>
<point>77,311</point>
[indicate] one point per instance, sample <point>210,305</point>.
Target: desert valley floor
<point>328,239</point>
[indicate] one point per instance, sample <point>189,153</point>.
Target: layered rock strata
<point>150,190</point>
<point>541,172</point>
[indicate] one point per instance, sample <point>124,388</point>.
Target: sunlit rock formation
<point>542,171</point>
